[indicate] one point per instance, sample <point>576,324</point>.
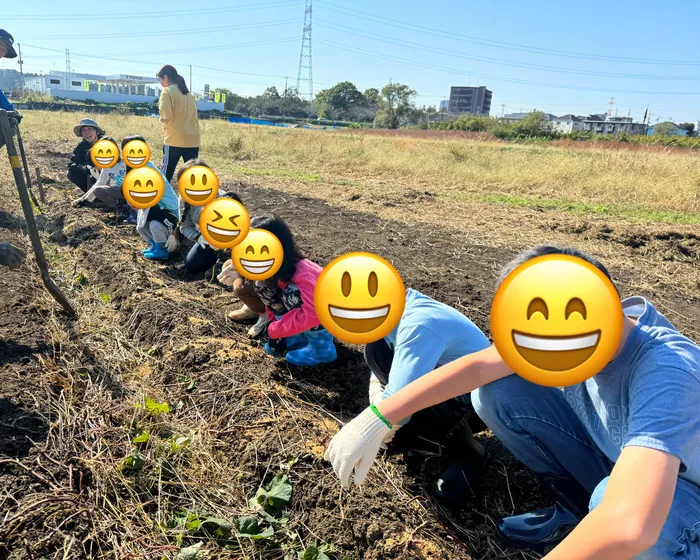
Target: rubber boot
<point>149,249</point>
<point>295,342</point>
<point>159,253</point>
<point>319,350</point>
<point>459,481</point>
<point>548,526</point>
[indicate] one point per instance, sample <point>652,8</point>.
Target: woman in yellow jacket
<point>178,115</point>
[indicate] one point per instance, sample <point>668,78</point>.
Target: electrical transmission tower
<point>305,81</point>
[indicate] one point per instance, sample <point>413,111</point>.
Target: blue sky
<point>558,56</point>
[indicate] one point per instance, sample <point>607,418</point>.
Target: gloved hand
<point>172,243</point>
<point>355,447</point>
<point>11,256</point>
<point>228,274</point>
<point>202,242</point>
<point>376,389</point>
<point>94,172</point>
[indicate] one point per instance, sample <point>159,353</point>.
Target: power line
<point>150,15</point>
<point>207,30</point>
<point>500,44</point>
<point>436,50</point>
<point>492,77</point>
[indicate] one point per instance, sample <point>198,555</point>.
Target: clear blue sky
<point>639,52</point>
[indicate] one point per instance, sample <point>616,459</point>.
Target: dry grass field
<point>93,465</point>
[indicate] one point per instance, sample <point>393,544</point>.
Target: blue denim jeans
<point>538,426</point>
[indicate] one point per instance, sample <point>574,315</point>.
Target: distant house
<point>600,124</point>
<point>566,124</point>
<point>669,129</point>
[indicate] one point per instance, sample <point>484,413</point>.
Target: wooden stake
<point>40,184</point>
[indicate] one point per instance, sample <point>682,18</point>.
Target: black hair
<point>542,250</point>
<point>173,77</point>
<point>292,254</point>
<point>194,163</point>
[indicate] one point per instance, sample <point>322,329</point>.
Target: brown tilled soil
<point>72,391</point>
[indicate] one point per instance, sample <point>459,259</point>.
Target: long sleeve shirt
<point>179,117</point>
<point>302,318</point>
<point>5,102</point>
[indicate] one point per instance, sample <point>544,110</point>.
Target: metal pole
<point>20,62</point>
<point>29,214</point>
<point>26,168</point>
<point>40,185</point>
<point>191,78</point>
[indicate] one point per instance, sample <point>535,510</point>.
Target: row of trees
<point>391,107</point>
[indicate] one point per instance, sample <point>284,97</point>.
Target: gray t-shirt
<point>649,396</point>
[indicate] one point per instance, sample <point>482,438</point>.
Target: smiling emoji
<point>198,185</point>
<point>104,154</point>
<point>136,153</point>
<point>359,298</point>
<point>143,188</point>
<point>260,255</point>
<point>224,223</point>
<point>556,320</point>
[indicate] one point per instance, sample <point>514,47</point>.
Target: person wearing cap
<point>81,172</point>
<point>6,51</point>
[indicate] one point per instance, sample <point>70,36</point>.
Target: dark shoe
<point>459,481</point>
<point>548,526</point>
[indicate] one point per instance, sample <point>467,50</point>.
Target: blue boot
<point>159,253</point>
<point>296,341</point>
<point>319,350</point>
<point>150,248</point>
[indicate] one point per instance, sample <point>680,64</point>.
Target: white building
<point>118,88</point>
<point>566,124</point>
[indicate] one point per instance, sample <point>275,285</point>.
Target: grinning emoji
<point>224,223</point>
<point>359,298</point>
<point>556,320</point>
<point>143,187</point>
<point>136,153</point>
<point>198,185</point>
<point>260,255</point>
<point>104,154</point>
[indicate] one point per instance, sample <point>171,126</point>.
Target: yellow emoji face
<point>359,298</point>
<point>136,153</point>
<point>259,256</point>
<point>198,185</point>
<point>143,187</point>
<point>104,154</point>
<point>556,320</point>
<point>224,223</point>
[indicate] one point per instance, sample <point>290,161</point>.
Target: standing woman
<point>178,115</point>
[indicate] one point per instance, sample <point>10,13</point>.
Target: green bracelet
<point>379,415</point>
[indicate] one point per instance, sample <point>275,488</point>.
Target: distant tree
<point>271,93</point>
<point>535,124</point>
<point>690,127</point>
<point>664,129</point>
<point>395,104</point>
<point>372,96</point>
<point>321,103</point>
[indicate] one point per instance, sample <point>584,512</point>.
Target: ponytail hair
<point>173,78</point>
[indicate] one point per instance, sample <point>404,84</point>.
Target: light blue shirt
<point>5,102</point>
<point>649,396</point>
<point>430,334</point>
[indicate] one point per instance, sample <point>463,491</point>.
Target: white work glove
<point>202,242</point>
<point>228,274</point>
<point>355,447</point>
<point>172,243</point>
<point>376,394</point>
<point>94,172</point>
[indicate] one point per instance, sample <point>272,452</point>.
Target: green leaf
<point>143,437</point>
<point>315,553</point>
<point>135,461</point>
<point>156,408</point>
<point>177,443</point>
<point>280,491</point>
<point>248,525</point>
<point>193,524</point>
<point>215,526</point>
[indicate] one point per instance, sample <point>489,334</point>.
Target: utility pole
<point>285,87</point>
<point>191,78</point>
<point>20,62</point>
<point>67,69</point>
<point>503,110</point>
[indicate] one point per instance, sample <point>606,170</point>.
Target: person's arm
<point>457,378</point>
<point>301,318</point>
<point>629,520</point>
<point>5,102</point>
<point>188,228</point>
<point>165,106</point>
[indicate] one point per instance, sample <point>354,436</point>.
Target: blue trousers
<point>539,427</point>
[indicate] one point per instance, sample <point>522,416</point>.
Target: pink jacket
<point>302,318</point>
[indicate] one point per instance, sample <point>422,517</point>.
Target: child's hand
<point>228,274</point>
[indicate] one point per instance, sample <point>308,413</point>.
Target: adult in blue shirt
<point>6,51</point>
<point>620,451</point>
<point>431,334</point>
